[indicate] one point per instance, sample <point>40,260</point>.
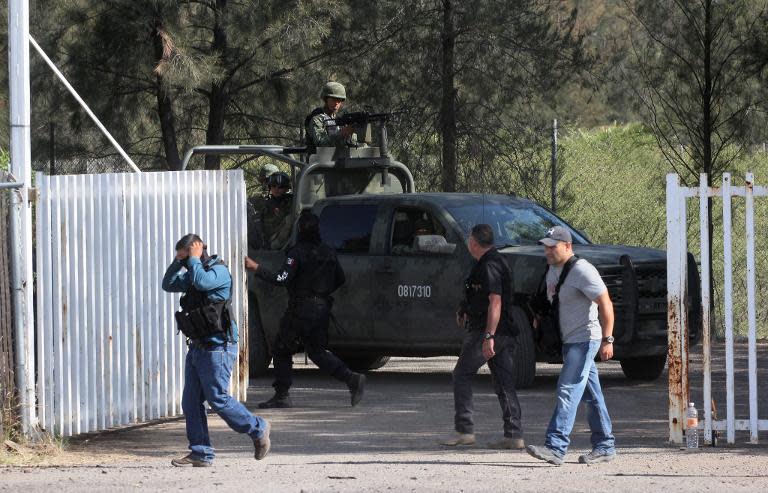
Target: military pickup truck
<point>405,257</point>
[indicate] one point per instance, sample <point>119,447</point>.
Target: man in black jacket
<point>486,312</point>
<point>311,272</point>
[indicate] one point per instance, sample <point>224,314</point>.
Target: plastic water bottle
<point>691,427</point>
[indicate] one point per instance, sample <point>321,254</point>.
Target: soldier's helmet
<point>333,90</point>
<point>279,180</point>
<point>267,170</point>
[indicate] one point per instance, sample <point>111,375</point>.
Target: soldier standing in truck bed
<point>319,132</point>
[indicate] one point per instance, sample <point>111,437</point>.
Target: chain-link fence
<point>613,179</point>
<point>55,154</point>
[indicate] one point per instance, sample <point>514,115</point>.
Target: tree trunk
<point>706,99</point>
<point>163,50</point>
<point>214,135</point>
<point>706,133</point>
<point>219,98</point>
<point>448,103</point>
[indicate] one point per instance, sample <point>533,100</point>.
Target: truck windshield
<point>514,223</point>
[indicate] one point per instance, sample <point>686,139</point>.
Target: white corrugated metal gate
<point>107,349</point>
<point>677,318</point>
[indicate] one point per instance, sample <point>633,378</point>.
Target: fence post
<point>751,309</point>
<point>705,303</point>
<point>554,166</point>
<point>676,275</point>
<point>728,308</point>
<point>6,341</point>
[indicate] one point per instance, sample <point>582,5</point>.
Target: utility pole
<point>553,202</point>
<point>21,212</point>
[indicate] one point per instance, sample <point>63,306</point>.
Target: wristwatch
<point>608,339</point>
<point>487,336</point>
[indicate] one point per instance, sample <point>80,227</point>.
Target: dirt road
<point>388,443</point>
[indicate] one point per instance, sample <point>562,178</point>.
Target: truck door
<point>348,228</point>
<point>417,289</point>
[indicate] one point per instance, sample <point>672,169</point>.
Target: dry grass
<point>29,453</point>
<point>15,450</point>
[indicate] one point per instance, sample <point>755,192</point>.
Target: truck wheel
<point>259,355</point>
<point>644,368</point>
<point>362,364</point>
<point>525,351</point>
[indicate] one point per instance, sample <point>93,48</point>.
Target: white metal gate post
<point>751,305</point>
<point>706,297</point>
<point>728,305</point>
<point>678,330</point>
<point>677,310</point>
<point>21,210</point>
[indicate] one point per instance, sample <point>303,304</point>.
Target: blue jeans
<point>206,378</point>
<point>579,382</point>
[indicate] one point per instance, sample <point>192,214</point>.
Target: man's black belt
<point>208,345</point>
<point>309,298</point>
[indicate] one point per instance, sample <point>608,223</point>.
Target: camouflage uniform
<point>320,135</point>
<point>255,227</point>
<point>275,214</point>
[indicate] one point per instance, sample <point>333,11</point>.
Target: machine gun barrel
<point>358,118</point>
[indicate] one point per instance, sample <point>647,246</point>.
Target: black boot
<point>356,386</point>
<point>280,399</point>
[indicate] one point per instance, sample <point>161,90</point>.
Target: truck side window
<point>407,224</point>
<point>348,228</point>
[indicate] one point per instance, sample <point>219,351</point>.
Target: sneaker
<point>459,439</point>
<point>508,443</point>
<point>596,456</point>
<point>543,453</point>
<point>262,445</point>
<point>356,388</point>
<point>279,400</point>
<point>190,460</point>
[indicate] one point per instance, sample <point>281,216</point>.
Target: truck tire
<point>364,363</point>
<point>259,355</point>
<point>524,357</point>
<point>644,367</point>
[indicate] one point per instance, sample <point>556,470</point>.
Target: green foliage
<point>615,176</point>
<point>695,74</point>
<point>617,194</point>
<point>5,160</point>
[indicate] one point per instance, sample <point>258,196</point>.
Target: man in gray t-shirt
<point>578,314</point>
<point>586,327</point>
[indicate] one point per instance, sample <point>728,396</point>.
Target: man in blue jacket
<point>211,334</point>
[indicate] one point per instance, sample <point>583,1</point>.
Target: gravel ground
<point>389,443</point>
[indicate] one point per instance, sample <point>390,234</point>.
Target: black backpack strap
<point>539,303</point>
<point>566,269</point>
<point>313,114</point>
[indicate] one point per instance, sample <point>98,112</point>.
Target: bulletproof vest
<point>276,219</point>
<point>317,272</point>
<point>200,317</point>
<point>477,299</point>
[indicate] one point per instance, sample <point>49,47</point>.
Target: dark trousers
<point>306,324</point>
<point>470,361</point>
